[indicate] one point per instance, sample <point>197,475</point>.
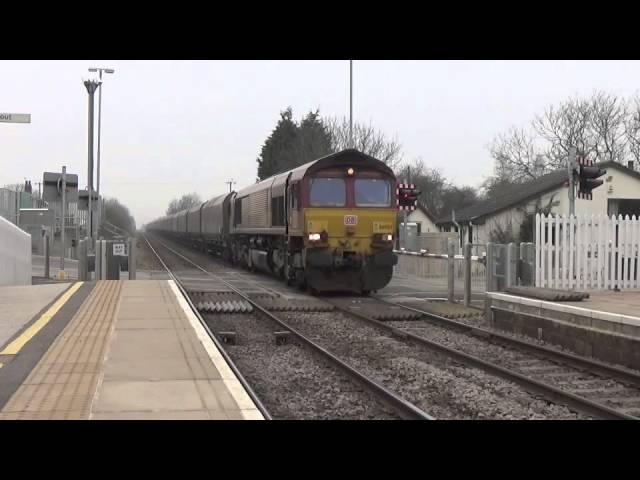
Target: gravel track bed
<point>291,382</point>
<point>431,381</point>
<point>566,377</point>
<point>146,259</point>
<point>544,343</point>
<point>481,322</point>
<point>410,374</point>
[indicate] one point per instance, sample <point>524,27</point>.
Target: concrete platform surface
<point>625,303</point>
<point>19,305</point>
<point>605,326</point>
<point>133,350</point>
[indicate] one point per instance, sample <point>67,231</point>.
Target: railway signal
<point>583,172</point>
<point>407,196</point>
<point>587,174</point>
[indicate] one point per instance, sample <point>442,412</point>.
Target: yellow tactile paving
<point>63,383</point>
<point>15,346</point>
<point>133,350</point>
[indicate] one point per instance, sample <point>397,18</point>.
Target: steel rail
<point>576,361</point>
<point>252,394</point>
<point>548,391</point>
<point>406,409</point>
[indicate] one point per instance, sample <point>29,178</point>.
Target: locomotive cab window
<point>372,192</point>
<point>327,192</point>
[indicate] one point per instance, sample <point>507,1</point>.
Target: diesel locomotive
<point>328,225</point>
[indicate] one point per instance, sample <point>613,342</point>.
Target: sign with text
<point>15,117</point>
<point>351,220</point>
<point>118,250</point>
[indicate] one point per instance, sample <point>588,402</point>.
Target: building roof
<point>424,209</point>
<point>520,193</point>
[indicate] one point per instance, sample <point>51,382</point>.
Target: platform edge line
<point>214,355</point>
<point>16,345</point>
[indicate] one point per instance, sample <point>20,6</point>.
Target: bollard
<point>489,267</point>
<point>82,262</point>
<point>451,271</point>
<point>467,274</point>
<point>527,262</point>
<point>47,255</point>
<point>104,267</point>
<point>132,258</point>
<point>98,260</point>
<point>510,273</point>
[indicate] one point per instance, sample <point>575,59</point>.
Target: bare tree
<point>119,215</point>
<point>186,201</point>
<point>365,139</point>
<point>14,187</point>
<point>608,114</point>
<point>569,124</point>
<point>430,181</point>
<point>632,128</point>
<point>517,157</point>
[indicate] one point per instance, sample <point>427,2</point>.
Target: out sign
<point>118,249</point>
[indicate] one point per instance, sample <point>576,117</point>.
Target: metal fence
<point>509,265</point>
<point>11,202</point>
<point>482,267</point>
<point>75,221</point>
<point>433,269</point>
<point>425,242</point>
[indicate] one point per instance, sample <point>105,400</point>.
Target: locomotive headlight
<point>382,238</point>
<point>350,172</point>
<point>314,237</point>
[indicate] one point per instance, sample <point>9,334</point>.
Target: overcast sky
<point>171,127</point>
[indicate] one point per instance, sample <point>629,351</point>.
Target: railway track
<point>242,300</point>
<point>587,386</point>
<point>511,401</point>
<point>241,379</point>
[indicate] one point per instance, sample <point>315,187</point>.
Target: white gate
<point>587,252</point>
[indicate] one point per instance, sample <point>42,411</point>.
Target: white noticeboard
<point>118,249</point>
<point>15,117</point>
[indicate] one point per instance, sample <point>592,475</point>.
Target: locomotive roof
<point>351,155</point>
<point>215,200</point>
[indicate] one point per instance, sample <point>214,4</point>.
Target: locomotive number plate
<point>382,227</point>
<point>351,220</point>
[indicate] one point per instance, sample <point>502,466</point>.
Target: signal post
<point>407,201</point>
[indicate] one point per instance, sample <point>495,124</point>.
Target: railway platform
<point>122,349</point>
<point>605,326</point>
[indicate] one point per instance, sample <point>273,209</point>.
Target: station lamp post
<point>91,86</point>
<point>351,103</point>
<point>100,71</point>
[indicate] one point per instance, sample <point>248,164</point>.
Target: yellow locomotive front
<point>350,219</point>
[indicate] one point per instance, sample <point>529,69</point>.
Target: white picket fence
<point>587,252</point>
